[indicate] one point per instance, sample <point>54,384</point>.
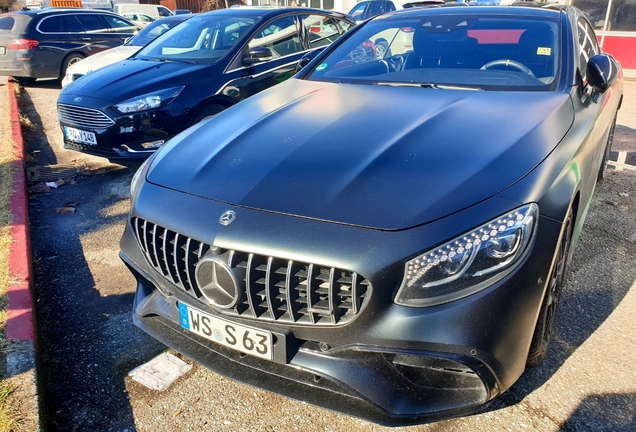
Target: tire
<point>69,60</point>
<point>206,112</point>
<point>602,172</point>
<point>382,49</point>
<point>24,80</point>
<point>545,324</point>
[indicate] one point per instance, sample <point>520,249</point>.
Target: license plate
<point>245,339</point>
<point>81,136</point>
<point>3,50</point>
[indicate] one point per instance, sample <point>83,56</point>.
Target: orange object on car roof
<point>67,3</point>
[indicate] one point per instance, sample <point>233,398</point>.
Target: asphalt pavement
<point>87,343</point>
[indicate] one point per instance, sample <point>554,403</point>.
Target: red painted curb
<point>19,294</point>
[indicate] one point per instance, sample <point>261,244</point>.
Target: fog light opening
<point>153,144</point>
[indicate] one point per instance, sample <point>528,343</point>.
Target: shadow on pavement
<point>83,293</point>
<point>604,412</point>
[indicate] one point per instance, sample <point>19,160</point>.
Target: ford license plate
<point>80,136</point>
<point>245,339</point>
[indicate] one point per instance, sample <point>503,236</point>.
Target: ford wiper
<point>428,85</point>
<point>165,59</point>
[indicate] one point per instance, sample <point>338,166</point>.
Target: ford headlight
<point>469,263</point>
<point>148,101</point>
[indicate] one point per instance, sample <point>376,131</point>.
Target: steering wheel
<point>505,62</point>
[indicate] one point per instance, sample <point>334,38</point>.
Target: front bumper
<point>132,136</point>
<point>391,364</point>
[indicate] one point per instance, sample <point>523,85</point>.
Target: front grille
<point>83,117</point>
<point>272,289</point>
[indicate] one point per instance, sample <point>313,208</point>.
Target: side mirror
<point>304,61</point>
<point>307,58</point>
<point>602,72</point>
<point>257,55</point>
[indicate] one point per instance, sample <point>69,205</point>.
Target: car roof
<point>180,17</point>
<point>54,11</point>
<point>268,12</point>
<point>524,9</point>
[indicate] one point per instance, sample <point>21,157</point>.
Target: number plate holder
<point>270,345</point>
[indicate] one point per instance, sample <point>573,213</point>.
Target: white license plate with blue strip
<point>80,136</point>
<point>245,339</point>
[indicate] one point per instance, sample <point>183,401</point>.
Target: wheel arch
<point>225,102</point>
<point>64,60</point>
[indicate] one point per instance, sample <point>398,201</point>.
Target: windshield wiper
<point>164,59</point>
<point>428,85</point>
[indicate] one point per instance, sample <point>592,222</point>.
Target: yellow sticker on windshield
<point>544,51</point>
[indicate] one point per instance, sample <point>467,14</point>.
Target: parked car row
<point>199,68</point>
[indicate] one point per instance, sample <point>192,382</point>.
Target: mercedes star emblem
<point>227,217</point>
<point>217,283</point>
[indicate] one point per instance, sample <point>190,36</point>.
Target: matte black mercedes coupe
<point>386,237</point>
<point>197,69</point>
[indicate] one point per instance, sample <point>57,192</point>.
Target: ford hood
<point>371,156</point>
<point>133,77</point>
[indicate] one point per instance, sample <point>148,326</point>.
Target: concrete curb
<point>20,324</point>
<point>20,327</point>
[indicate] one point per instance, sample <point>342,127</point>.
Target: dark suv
<point>43,43</point>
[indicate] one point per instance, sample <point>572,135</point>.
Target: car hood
<point>370,156</point>
<point>134,77</point>
<point>104,58</point>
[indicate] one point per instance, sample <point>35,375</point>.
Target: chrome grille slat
<point>83,117</point>
<point>275,289</point>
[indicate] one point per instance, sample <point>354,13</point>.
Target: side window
<point>119,25</point>
<point>281,36</point>
<point>358,12</point>
<point>163,11</point>
<point>321,30</point>
<point>75,25</point>
<point>54,24</point>
<point>375,8</point>
<point>390,7</point>
<point>93,23</point>
<point>588,45</point>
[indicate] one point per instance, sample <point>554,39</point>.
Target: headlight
<point>469,263</point>
<point>149,101</point>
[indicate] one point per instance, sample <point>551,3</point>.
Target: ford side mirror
<point>302,63</point>
<point>307,58</point>
<point>257,55</point>
<point>602,72</point>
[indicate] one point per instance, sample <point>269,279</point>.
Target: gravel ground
<point>88,344</point>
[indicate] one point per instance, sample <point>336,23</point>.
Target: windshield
<point>486,53</point>
<point>152,31</point>
<point>203,39</point>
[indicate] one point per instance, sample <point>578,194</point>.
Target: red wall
<point>623,48</point>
